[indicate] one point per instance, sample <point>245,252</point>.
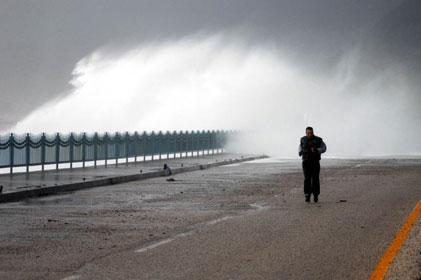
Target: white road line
<point>214,222</point>
<point>154,245</point>
<point>164,241</point>
<point>168,240</point>
<point>256,206</point>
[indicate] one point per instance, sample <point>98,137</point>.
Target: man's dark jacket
<point>304,149</point>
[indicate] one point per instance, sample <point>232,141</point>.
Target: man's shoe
<point>307,198</point>
<point>316,198</point>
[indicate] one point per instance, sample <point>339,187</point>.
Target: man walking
<point>310,149</point>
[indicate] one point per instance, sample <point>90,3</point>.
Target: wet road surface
<point>241,221</point>
<point>37,179</point>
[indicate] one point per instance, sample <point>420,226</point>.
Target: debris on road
<point>167,169</point>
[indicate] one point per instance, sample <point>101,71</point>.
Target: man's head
<point>309,132</point>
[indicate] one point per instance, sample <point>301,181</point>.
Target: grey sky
<point>40,41</point>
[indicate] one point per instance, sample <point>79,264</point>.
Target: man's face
<point>309,133</point>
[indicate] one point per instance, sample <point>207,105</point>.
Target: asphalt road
<point>242,221</point>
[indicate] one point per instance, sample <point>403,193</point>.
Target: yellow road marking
<point>397,243</point>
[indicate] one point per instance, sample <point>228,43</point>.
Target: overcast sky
<point>41,40</point>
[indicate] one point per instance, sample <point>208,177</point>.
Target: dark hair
<point>309,128</point>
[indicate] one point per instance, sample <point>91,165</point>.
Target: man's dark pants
<point>311,170</point>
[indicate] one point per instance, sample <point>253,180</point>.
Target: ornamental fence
<point>49,149</point>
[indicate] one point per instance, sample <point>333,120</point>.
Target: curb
<point>20,195</point>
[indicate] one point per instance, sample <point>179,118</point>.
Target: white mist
<point>218,82</point>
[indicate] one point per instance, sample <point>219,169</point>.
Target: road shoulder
<point>407,263</point>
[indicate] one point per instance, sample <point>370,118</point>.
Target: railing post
<point>106,148</point>
<point>193,147</point>
<point>57,149</point>
<point>197,143</point>
<point>27,147</point>
<point>159,144</point>
<point>144,145</point>
<point>221,144</point>
<point>83,149</point>
<point>42,152</point>
<point>175,142</point>
<point>11,152</point>
<point>199,137</point>
<point>213,142</point>
<point>127,147</point>
<point>116,148</point>
<point>95,143</point>
<point>153,144</point>
<point>186,141</point>
<point>181,143</point>
<point>224,139</point>
<point>187,138</point>
<point>208,142</point>
<point>71,142</point>
<point>136,146</point>
<point>167,139</point>
<point>218,141</point>
<point>203,143</point>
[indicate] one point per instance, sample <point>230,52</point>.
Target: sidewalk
<point>23,185</point>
